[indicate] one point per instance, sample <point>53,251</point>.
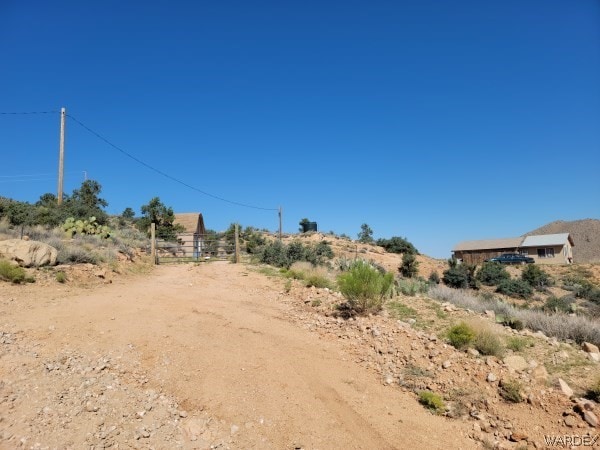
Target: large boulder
<point>28,253</point>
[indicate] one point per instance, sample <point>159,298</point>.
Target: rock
<point>446,364</point>
<point>234,429</point>
<point>388,379</point>
<point>590,348</point>
<point>590,418</point>
<point>540,374</point>
<point>564,387</point>
<point>473,352</point>
<point>517,436</point>
<point>490,313</point>
<point>594,356</point>
<point>491,377</point>
<point>28,253</point>
<point>183,414</point>
<point>570,421</point>
<point>516,363</point>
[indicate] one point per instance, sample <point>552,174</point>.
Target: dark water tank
<point>309,226</point>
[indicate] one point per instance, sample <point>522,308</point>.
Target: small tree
<point>397,245</point>
<point>410,266</point>
<point>156,212</point>
<point>302,223</point>
<point>366,234</point>
<point>128,213</point>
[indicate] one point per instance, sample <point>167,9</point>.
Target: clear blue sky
<point>438,121</point>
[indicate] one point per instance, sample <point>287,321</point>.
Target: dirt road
<point>189,357</point>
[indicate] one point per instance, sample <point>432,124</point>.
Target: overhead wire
<point>160,172</point>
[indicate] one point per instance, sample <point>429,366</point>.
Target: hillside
<point>585,234</point>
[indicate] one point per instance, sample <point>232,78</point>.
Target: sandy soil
<point>191,357</point>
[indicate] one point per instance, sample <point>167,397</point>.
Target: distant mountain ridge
<point>585,234</point>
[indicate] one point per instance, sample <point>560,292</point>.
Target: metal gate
<point>194,247</point>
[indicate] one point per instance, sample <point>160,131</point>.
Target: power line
<point>183,183</point>
<point>26,113</point>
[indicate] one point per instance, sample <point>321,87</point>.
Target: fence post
<point>153,242</point>
<point>237,244</point>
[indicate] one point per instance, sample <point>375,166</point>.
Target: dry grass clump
<point>559,325</point>
<point>317,276</point>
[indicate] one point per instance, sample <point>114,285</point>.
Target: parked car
<point>512,258</point>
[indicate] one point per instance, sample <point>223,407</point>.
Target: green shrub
<point>492,273</point>
<point>61,277</point>
<point>434,277</point>
<point>280,255</point>
<point>410,266</point>
<point>460,276</point>
<point>432,401</point>
<point>515,288</point>
<point>487,343</point>
<point>14,274</point>
<point>536,277</point>
<point>365,287</point>
<point>397,245</point>
<point>516,343</point>
<point>565,304</point>
<point>318,281</point>
<point>412,287</point>
<point>513,322</point>
<point>510,390</point>
<point>461,335</point>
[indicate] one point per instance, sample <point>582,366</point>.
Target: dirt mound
<point>585,234</point>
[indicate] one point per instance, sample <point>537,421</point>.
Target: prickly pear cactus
<point>71,227</point>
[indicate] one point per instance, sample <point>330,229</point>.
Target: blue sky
<point>432,120</point>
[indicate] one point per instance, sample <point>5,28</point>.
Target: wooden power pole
<point>280,223</point>
<point>61,156</point>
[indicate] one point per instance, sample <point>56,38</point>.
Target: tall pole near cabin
<point>280,223</point>
<point>61,156</point>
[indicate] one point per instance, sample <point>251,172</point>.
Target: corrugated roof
<point>542,240</point>
<point>190,222</point>
<point>488,244</point>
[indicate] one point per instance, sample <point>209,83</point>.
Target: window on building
<point>545,252</point>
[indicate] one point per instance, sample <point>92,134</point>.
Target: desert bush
<point>562,326</point>
<point>492,273</point>
<point>593,392</point>
<point>61,277</point>
<point>461,335</point>
<point>536,277</point>
<point>14,274</point>
<point>460,276</point>
<point>487,342</point>
<point>280,255</point>
<point>434,278</point>
<point>410,266</point>
<point>432,401</point>
<point>412,287</point>
<point>510,390</point>
<point>515,288</point>
<point>562,304</point>
<point>516,343</point>
<point>557,325</point>
<point>397,245</point>
<point>512,322</point>
<point>73,253</point>
<point>365,287</point>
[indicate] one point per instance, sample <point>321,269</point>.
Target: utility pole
<point>280,223</point>
<point>84,175</point>
<point>61,156</point>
